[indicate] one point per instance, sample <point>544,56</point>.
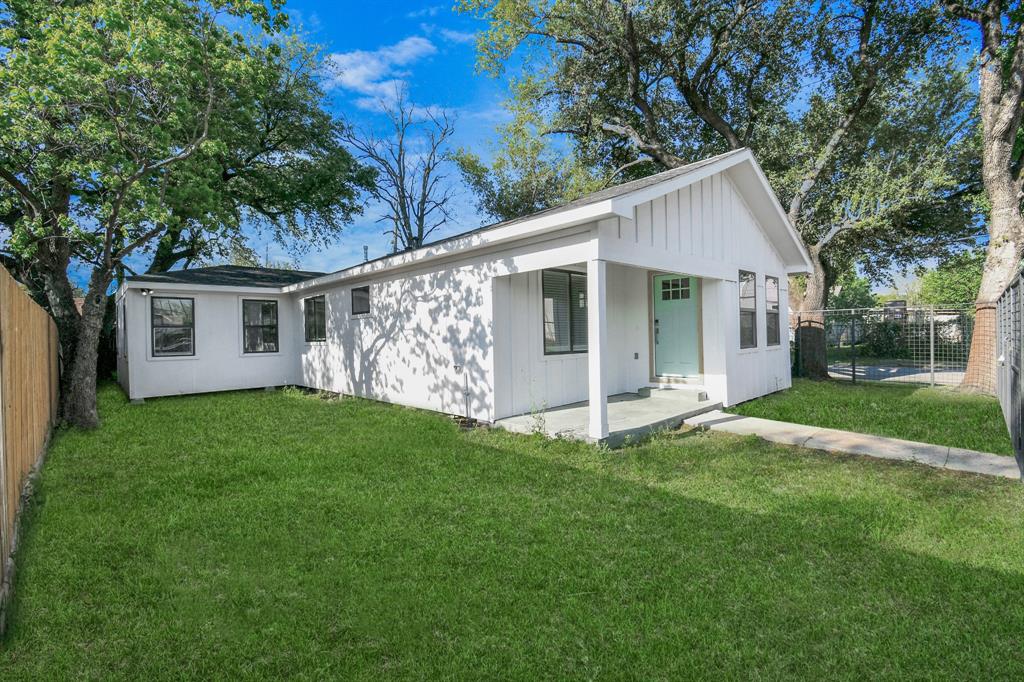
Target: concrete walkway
<point>834,440</point>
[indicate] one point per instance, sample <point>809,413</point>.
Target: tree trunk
<point>60,298</point>
<point>810,336</point>
<point>1001,262</point>
<point>79,400</point>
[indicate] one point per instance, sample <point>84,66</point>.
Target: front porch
<point>629,415</point>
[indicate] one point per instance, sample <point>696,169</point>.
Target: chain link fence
<point>896,343</point>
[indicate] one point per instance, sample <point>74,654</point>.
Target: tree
<point>282,165</point>
<point>852,291</point>
<point>674,81</point>
<point>102,103</point>
<point>527,174</point>
<point>1000,102</point>
<point>411,170</point>
<point>955,281</point>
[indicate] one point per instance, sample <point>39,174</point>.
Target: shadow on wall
<point>426,342</point>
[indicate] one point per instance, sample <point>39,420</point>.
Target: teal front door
<point>676,326</point>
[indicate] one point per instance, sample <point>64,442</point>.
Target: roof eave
<point>527,228</point>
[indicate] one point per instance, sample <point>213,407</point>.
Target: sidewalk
<point>834,440</point>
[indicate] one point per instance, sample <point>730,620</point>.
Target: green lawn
<point>265,535</point>
<point>928,415</point>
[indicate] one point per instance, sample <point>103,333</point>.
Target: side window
<point>360,300</point>
<point>259,326</point>
<point>565,311</point>
<point>173,326</point>
<point>748,309</point>
<point>771,301</point>
<point>314,312</point>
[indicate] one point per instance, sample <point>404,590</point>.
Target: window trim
<point>305,327</point>
<point>571,308</point>
<point>742,310</point>
<point>152,336</point>
<point>277,325</point>
<point>352,301</point>
<point>777,313</point>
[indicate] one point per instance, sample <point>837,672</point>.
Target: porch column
<point>597,346</point>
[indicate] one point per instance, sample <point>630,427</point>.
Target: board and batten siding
<point>706,229</point>
<point>527,380</point>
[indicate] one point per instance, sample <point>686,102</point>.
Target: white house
<point>678,278</point>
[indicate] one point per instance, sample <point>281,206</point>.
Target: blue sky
<point>376,45</point>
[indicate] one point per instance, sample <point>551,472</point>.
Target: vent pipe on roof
<point>366,253</point>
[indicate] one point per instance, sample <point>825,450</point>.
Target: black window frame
<point>153,327</point>
<point>276,326</point>
<point>747,311</point>
<point>572,315</point>
<point>352,296</point>
<point>769,313</point>
<point>314,301</point>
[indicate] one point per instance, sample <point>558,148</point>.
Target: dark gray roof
<point>229,275</point>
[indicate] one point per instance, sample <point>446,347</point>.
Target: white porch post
<point>597,346</point>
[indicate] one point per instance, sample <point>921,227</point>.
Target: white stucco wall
<point>219,363</point>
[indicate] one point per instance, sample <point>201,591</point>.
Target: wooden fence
<point>28,407</point>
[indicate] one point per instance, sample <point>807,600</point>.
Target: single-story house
<point>677,279</point>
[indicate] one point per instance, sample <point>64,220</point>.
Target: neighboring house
<point>675,278</point>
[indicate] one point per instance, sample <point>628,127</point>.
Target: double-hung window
<point>748,309</point>
<point>259,326</point>
<point>314,311</point>
<point>360,300</point>
<point>565,311</point>
<point>173,326</point>
<point>771,301</point>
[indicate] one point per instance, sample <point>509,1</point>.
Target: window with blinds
<point>771,301</point>
<point>748,309</point>
<point>565,311</point>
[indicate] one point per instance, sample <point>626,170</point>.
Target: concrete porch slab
<point>630,415</point>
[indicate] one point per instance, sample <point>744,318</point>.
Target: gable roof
<point>229,275</point>
<point>617,200</point>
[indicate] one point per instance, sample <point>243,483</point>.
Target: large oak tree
<point>856,109</point>
<point>116,130</point>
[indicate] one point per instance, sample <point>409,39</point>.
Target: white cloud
<point>430,11</point>
<point>377,74</point>
<point>458,36</point>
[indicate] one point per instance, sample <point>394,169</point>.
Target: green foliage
<point>852,291</point>
<point>955,281</point>
<point>860,112</point>
<point>883,339</point>
<point>528,173</point>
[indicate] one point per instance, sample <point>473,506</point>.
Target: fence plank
<point>28,407</point>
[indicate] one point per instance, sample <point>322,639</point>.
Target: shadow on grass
<point>280,535</point>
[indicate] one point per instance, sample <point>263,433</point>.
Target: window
<point>314,311</point>
<point>173,321</point>
<point>259,326</point>
<point>360,300</point>
<point>771,300</point>
<point>565,311</point>
<point>675,289</point>
<point>748,309</point>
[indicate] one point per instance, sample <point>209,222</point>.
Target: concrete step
<point>697,392</point>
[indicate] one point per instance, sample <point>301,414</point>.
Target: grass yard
<point>265,535</point>
<point>927,415</point>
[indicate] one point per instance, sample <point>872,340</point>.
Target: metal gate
<point>897,343</point>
